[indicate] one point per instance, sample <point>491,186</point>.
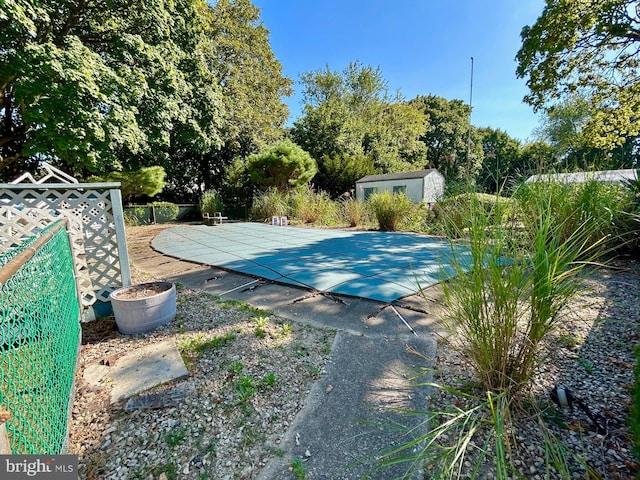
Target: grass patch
<point>197,344</point>
<point>175,436</point>
<point>297,467</point>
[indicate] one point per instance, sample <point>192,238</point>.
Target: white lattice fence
<point>18,223</point>
<point>97,207</point>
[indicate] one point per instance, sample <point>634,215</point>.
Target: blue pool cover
<point>380,266</point>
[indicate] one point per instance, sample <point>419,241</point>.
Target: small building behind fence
<point>607,176</point>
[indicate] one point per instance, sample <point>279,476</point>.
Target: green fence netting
<point>39,335</point>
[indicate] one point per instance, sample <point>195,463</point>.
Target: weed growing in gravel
<point>169,469</point>
<point>245,388</point>
<point>298,469</point>
<point>236,367</point>
<point>276,451</point>
<point>586,364</point>
<point>261,325</point>
<point>569,341</point>
<point>175,436</point>
<point>244,307</point>
<point>200,345</point>
<point>313,370</point>
<point>287,329</point>
<point>270,380</point>
<point>299,350</point>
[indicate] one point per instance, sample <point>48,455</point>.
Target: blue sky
<point>421,46</point>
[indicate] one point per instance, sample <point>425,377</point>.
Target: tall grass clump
<point>389,209</point>
<point>354,211</point>
<point>451,213</point>
<point>269,204</point>
<point>512,280</point>
<point>312,206</point>
<point>508,294</point>
<point>598,207</point>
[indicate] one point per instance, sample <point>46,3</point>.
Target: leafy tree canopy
<point>146,181</point>
<point>338,174</point>
<point>251,80</point>
<point>446,138</point>
<point>500,153</point>
<point>350,113</point>
<point>82,81</point>
<point>283,165</point>
<point>563,128</point>
<point>590,48</point>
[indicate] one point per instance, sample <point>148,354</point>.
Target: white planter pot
<point>143,307</point>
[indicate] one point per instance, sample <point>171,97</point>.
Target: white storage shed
<point>423,186</point>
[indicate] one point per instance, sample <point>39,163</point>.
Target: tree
<point>501,153</point>
<point>563,128</point>
<point>535,158</point>
<point>90,85</point>
<point>283,165</point>
<point>251,81</point>
<point>148,181</point>
<point>446,139</point>
<point>590,48</point>
<point>338,174</point>
<point>351,114</point>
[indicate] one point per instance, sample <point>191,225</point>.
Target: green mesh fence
<point>39,335</point>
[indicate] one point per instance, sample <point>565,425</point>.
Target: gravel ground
<point>250,373</point>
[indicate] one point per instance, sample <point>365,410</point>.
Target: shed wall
<point>414,189</point>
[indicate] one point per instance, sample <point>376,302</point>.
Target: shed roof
<point>398,176</point>
<point>614,176</point>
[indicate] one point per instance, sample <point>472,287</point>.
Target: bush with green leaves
<point>389,209</point>
<point>146,181</point>
<point>211,202</point>
<point>164,212</point>
<point>271,203</point>
<point>282,165</point>
<point>451,213</point>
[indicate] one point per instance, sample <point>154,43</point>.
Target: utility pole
<point>469,134</point>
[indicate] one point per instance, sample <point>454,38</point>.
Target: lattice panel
<point>93,208</point>
<point>17,224</point>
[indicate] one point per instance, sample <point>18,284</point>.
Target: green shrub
<point>211,202</point>
<point>131,219</point>
<point>269,204</point>
<point>389,209</point>
<point>506,295</point>
<point>164,211</point>
<point>310,206</point>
